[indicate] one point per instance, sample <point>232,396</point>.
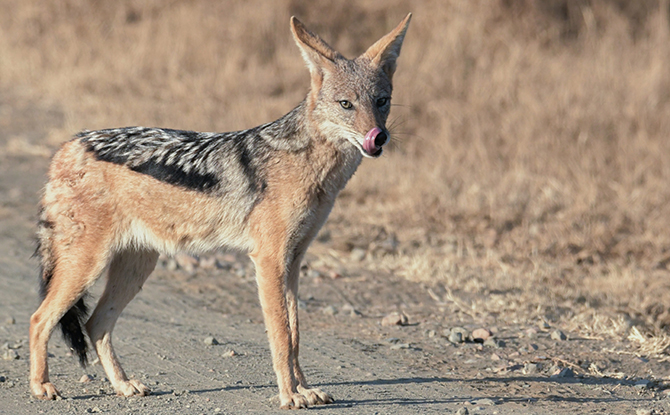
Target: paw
<point>132,387</point>
<point>315,396</point>
<point>293,401</point>
<point>45,390</point>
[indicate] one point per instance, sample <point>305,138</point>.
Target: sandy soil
<point>369,368</point>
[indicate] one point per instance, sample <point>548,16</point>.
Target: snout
<point>374,141</point>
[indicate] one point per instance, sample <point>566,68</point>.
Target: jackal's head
<point>350,100</point>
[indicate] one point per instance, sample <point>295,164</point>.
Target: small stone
<point>543,325</point>
<point>312,273</point>
<point>210,341</point>
<point>208,262</point>
<point>530,368</point>
<point>531,333</point>
<point>495,357</point>
<point>456,337</point>
<point>171,264</point>
<point>399,346</point>
<point>643,384</point>
<point>86,379</point>
<point>481,335</point>
<point>496,344</point>
<point>349,309</point>
<point>10,355</point>
<point>558,335</point>
<point>395,319</point>
<point>644,412</point>
<point>462,411</point>
<point>485,401</point>
<point>566,372</point>
<point>2,378</point>
<point>186,262</point>
<point>10,320</point>
<point>329,310</point>
<point>334,275</point>
<point>231,353</point>
<point>357,254</point>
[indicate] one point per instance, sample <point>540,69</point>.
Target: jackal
<point>116,198</point>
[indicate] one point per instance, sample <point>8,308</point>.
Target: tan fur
<point>104,214</point>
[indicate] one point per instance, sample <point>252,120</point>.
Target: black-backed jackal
<point>117,198</point>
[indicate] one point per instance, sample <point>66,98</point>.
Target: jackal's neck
<point>290,132</point>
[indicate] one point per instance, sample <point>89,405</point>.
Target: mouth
<point>374,141</point>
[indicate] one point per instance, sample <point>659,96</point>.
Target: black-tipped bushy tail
<point>72,325</point>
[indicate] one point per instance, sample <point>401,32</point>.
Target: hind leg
<point>68,282</point>
<point>127,273</point>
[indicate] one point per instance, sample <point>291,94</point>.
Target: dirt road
<point>367,367</point>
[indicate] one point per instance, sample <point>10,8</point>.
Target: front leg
<point>271,277</point>
<point>314,396</point>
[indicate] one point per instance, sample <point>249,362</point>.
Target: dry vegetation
<point>529,175</point>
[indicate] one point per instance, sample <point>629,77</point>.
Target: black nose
<point>381,139</point>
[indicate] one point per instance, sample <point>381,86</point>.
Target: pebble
<point>171,264</point>
<point>10,320</point>
<point>186,262</point>
<point>566,372</point>
<point>643,384</point>
<point>481,335</point>
<point>10,355</point>
<point>395,319</point>
<point>644,412</point>
<point>462,411</point>
<point>456,337</point>
<point>334,275</point>
<point>558,335</point>
<point>211,341</point>
<point>496,344</point>
<point>485,401</point>
<point>530,368</point>
<point>357,254</point>
<point>208,262</point>
<point>86,379</point>
<point>348,308</point>
<point>230,353</point>
<point>531,333</point>
<point>329,310</point>
<point>399,346</point>
<point>2,378</point>
<point>312,273</point>
<point>542,325</point>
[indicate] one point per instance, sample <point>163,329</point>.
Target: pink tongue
<point>369,143</point>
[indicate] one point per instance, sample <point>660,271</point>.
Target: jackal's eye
<point>347,105</point>
<point>382,102</point>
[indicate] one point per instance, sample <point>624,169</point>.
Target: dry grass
<point>529,172</point>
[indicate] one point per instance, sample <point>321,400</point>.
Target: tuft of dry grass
<point>528,173</point>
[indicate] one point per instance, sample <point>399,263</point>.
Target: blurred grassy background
<point>529,170</point>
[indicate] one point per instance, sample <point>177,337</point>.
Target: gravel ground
<point>195,336</point>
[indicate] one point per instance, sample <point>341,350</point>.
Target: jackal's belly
<point>170,219</point>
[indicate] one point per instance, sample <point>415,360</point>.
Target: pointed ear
<point>387,49</point>
<point>318,55</point>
